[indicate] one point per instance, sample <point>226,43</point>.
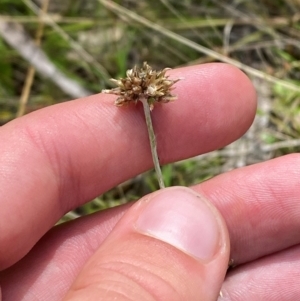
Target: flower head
<point>143,82</point>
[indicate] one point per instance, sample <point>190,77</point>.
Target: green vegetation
<point>91,41</point>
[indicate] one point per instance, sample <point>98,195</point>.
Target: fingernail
<point>182,218</point>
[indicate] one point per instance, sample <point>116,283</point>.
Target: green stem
<point>152,139</point>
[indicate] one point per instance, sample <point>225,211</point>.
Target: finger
<point>273,277</point>
<point>171,245</point>
<point>275,227</point>
<point>260,204</point>
<point>59,262</point>
<point>60,157</point>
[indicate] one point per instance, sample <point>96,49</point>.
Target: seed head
<point>143,82</point>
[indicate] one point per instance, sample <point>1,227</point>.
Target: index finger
<point>57,158</point>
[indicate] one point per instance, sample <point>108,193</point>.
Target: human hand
<point>60,157</point>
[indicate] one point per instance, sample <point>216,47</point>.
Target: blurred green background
<point>87,42</point>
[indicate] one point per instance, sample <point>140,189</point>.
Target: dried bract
<point>143,83</point>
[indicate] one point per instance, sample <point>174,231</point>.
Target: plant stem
<point>152,139</point>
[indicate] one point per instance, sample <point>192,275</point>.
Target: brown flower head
<point>143,82</point>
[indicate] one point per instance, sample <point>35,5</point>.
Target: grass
<point>91,41</point>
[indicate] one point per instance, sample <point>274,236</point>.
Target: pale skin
<point>60,157</point>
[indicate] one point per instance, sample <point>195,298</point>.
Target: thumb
<point>170,245</point>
